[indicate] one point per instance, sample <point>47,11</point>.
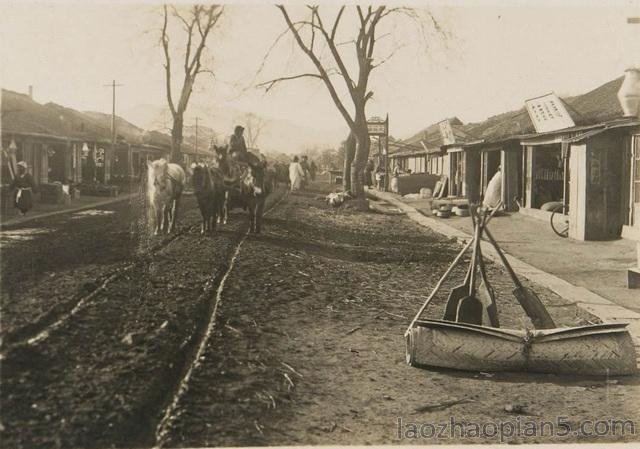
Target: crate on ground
<point>54,193</point>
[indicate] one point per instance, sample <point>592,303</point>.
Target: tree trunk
<point>176,139</point>
<point>349,154</point>
<point>361,157</point>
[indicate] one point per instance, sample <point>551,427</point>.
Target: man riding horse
<point>238,149</point>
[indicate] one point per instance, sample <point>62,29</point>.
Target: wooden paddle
<point>486,294</point>
<point>470,308</point>
<point>529,301</point>
<point>461,290</point>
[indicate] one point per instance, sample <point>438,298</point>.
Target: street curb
<point>21,220</point>
<point>593,303</point>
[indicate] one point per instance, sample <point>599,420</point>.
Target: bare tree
<point>254,125</point>
<point>196,23</point>
<point>314,38</point>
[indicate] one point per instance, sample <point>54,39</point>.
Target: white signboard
<point>377,128</point>
<point>548,113</point>
<point>446,132</point>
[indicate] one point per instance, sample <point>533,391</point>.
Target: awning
<point>595,132</point>
<point>577,134</point>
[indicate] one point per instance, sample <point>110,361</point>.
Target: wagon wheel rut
<point>214,290</point>
<point>120,347</point>
<point>40,329</point>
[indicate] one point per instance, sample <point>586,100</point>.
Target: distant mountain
<point>276,134</point>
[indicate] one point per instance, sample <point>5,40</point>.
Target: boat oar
<point>439,284</point>
<point>529,301</point>
<point>486,293</point>
<point>470,308</point>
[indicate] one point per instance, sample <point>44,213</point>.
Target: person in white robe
<point>296,174</point>
<point>493,194</point>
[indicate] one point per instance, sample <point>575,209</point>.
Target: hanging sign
<point>548,113</point>
<point>377,127</point>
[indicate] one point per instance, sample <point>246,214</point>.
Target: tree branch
<point>336,54</point>
<point>321,70</point>
<point>167,65</point>
<point>269,84</point>
<point>336,22</point>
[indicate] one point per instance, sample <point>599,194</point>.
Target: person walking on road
<point>24,186</point>
<point>313,169</point>
<point>296,174</point>
<point>304,163</point>
<point>368,171</point>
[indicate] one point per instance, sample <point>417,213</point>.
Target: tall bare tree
<point>254,125</point>
<point>195,23</point>
<point>314,36</point>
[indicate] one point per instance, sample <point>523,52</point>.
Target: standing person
<point>313,169</point>
<point>368,171</point>
<point>493,194</point>
<point>380,174</point>
<point>304,163</point>
<point>24,186</point>
<point>296,174</point>
<point>397,171</point>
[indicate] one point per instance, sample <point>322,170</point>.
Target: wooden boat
<point>600,349</point>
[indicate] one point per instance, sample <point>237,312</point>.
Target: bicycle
<point>560,220</point>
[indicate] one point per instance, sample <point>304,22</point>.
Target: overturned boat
<point>461,340</point>
<point>599,349</point>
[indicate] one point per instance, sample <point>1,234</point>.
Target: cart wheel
<point>560,223</point>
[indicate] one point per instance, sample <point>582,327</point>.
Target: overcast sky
<point>495,57</point>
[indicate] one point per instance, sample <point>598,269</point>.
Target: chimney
<point>629,93</point>
<point>30,91</point>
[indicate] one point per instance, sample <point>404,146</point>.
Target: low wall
<point>414,182</point>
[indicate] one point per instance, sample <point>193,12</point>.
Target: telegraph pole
<point>113,86</point>
<point>197,118</point>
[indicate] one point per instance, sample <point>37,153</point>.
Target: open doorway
<point>547,175</point>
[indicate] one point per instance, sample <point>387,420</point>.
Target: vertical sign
<point>446,131</point>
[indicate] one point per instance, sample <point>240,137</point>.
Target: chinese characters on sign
<point>377,128</point>
<point>548,113</point>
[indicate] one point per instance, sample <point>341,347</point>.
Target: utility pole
<point>113,86</point>
<point>197,118</point>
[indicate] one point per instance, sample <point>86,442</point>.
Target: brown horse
<point>209,191</point>
<point>165,182</point>
<point>245,184</point>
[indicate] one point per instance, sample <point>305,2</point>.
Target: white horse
<point>165,184</point>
